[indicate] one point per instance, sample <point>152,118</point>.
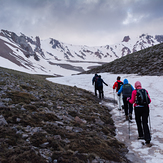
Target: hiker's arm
<point>105,83</point>
<point>114,86</point>
<point>93,80</point>
<point>149,96</point>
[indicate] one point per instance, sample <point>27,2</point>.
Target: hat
<point>137,84</point>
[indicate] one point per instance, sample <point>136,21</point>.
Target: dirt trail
<point>126,132</point>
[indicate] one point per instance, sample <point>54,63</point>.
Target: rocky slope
<point>145,62</point>
<point>45,122</point>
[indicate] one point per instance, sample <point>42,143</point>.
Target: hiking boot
<point>149,145</point>
<point>147,142</point>
<point>127,118</point>
<point>130,116</point>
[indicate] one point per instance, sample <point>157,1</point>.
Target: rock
<point>94,161</point>
<point>55,161</point>
<point>99,122</point>
<point>58,137</point>
<point>18,119</point>
<point>23,109</point>
<point>25,136</point>
<point>77,129</point>
<point>2,120</point>
<point>78,120</point>
<point>44,144</point>
<point>59,123</point>
<point>69,128</point>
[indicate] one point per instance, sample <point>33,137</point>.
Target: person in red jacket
<point>117,86</point>
<point>141,115</point>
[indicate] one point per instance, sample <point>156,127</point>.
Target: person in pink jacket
<point>141,115</point>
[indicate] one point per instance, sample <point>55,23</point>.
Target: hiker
<point>94,82</point>
<point>126,90</point>
<point>117,86</point>
<point>141,113</point>
<point>100,86</point>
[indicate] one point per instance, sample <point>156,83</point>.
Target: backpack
<point>99,82</point>
<point>142,97</point>
<point>127,90</point>
<point>119,85</point>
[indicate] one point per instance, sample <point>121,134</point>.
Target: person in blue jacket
<point>126,90</point>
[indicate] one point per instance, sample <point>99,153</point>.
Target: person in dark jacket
<point>126,90</point>
<point>141,115</point>
<point>100,86</point>
<point>94,82</point>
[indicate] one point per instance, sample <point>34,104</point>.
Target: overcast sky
<point>82,22</point>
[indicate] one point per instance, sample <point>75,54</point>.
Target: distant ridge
<point>145,62</point>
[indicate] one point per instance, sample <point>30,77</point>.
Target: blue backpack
<point>127,90</point>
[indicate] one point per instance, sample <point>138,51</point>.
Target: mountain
<point>145,62</point>
<point>52,57</point>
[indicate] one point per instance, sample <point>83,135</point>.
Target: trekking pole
<point>149,124</point>
<point>114,97</point>
<point>129,128</point>
<point>118,100</point>
<point>129,122</point>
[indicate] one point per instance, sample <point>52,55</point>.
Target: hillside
<point>145,62</point>
<point>45,122</point>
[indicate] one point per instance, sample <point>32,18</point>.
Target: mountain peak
<point>126,39</point>
<point>159,38</point>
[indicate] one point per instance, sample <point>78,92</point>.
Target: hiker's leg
<point>145,115</point>
<point>138,121</point>
<point>102,92</point>
<point>99,90</point>
<point>96,89</point>
<point>119,102</point>
<point>130,108</point>
<point>125,105</point>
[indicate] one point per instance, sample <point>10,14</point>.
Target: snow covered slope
<point>53,57</point>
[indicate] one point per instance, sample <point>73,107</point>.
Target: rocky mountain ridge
<point>53,57</point>
<point>145,62</point>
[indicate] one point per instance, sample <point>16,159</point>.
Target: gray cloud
<point>86,22</point>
